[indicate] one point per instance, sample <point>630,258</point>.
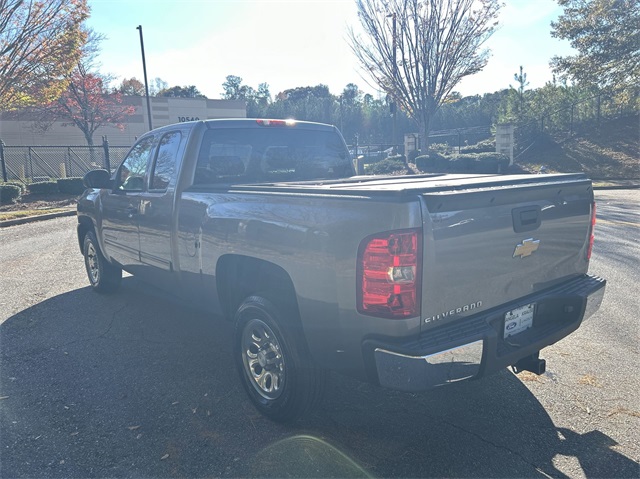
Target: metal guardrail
<point>41,163</point>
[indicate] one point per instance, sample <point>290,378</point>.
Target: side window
<point>165,163</point>
<point>134,167</point>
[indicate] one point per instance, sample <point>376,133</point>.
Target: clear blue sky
<point>290,43</point>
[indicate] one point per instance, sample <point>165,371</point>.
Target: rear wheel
<point>276,371</point>
<point>103,276</point>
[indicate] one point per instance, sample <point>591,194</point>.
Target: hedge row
<point>485,146</point>
<point>386,166</point>
<point>43,187</point>
<point>72,186</point>
<point>11,191</point>
<point>465,163</point>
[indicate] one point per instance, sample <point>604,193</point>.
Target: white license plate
<point>518,320</point>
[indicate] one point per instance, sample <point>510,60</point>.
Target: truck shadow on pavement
<point>136,385</point>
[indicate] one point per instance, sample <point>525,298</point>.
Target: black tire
<point>103,276</point>
<point>275,367</point>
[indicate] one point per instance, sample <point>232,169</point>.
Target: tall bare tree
<point>40,43</point>
<point>437,43</point>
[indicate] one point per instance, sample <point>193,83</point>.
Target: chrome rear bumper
<point>594,300</point>
<point>475,346</point>
<point>404,372</point>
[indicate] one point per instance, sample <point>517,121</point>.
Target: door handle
<point>131,211</point>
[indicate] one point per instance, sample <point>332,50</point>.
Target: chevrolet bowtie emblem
<point>527,247</point>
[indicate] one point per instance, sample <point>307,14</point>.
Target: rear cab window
<point>268,155</point>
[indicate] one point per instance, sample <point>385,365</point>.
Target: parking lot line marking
<point>626,223</point>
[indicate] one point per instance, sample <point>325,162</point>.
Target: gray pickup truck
<point>410,282</point>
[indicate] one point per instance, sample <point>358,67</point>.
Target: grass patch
<point>13,215</point>
<point>603,184</point>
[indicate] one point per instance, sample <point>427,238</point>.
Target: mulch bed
<point>40,202</point>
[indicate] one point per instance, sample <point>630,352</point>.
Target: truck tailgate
<point>485,246</point>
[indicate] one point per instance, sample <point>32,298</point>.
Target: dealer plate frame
<point>518,320</point>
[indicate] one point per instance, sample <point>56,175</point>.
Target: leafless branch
<point>438,43</point>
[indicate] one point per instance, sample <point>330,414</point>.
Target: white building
<point>18,128</point>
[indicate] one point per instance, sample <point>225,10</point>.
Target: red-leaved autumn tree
<point>87,104</point>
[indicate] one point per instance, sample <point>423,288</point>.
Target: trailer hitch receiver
<point>532,364</point>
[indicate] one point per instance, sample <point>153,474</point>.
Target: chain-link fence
<point>577,117</point>
<point>451,141</point>
<point>40,163</point>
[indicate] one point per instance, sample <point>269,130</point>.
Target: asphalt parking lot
<point>137,385</point>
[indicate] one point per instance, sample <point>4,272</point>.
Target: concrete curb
<point>30,219</point>
<point>617,187</point>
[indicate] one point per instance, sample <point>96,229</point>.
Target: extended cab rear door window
<point>165,162</point>
<point>132,171</point>
<point>267,155</point>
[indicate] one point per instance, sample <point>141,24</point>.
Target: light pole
<point>146,84</point>
<point>393,106</point>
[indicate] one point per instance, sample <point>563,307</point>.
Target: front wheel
<point>103,276</point>
<point>276,371</point>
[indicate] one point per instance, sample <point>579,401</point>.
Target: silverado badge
<point>527,247</point>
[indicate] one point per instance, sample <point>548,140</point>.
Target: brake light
<point>592,229</point>
<point>276,122</point>
<point>389,274</point>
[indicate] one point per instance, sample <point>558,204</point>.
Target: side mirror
<point>98,179</point>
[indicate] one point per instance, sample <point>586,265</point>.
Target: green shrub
<point>484,146</point>
<point>491,162</point>
<point>43,187</point>
<point>413,155</point>
<point>9,193</point>
<point>72,186</point>
<point>386,166</point>
<point>484,163</point>
<point>397,157</point>
<point>440,158</point>
<point>440,148</point>
<point>433,163</point>
<point>462,164</point>
<point>422,162</point>
<point>18,183</point>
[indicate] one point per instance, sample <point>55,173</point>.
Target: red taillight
<point>276,122</point>
<point>389,274</point>
<point>592,229</point>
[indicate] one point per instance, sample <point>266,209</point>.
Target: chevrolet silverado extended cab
<point>410,282</point>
